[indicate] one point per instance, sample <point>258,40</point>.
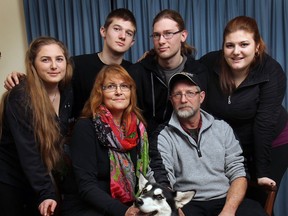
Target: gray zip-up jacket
<point>208,166</point>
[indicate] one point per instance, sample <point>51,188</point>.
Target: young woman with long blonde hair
<point>34,121</point>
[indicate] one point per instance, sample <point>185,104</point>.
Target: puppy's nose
<point>139,202</point>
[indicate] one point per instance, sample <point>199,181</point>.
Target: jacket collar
<point>207,121</point>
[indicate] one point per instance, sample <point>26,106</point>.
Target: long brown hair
<point>2,107</point>
<point>46,129</point>
<point>186,49</point>
<point>92,106</point>
<point>247,24</point>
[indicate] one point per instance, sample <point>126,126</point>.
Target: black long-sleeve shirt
<point>91,166</point>
<point>21,165</point>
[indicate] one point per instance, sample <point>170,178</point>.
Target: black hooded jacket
<point>152,90</point>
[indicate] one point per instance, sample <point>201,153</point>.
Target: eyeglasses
<point>188,94</point>
<point>166,35</point>
<point>113,87</point>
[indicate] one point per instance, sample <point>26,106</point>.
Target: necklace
<point>54,97</point>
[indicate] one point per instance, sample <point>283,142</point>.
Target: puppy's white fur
<point>155,198</point>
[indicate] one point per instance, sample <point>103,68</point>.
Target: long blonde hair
<point>46,129</point>
<point>92,106</point>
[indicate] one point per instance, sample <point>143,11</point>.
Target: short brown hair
<point>121,13</point>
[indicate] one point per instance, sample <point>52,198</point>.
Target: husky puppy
<point>159,200</point>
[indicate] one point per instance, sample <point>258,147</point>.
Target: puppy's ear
<point>142,181</point>
<point>182,198</point>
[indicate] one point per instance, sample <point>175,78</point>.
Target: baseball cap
<point>183,76</point>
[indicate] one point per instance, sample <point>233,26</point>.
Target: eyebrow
<point>44,56</point>
<point>245,41</point>
<point>169,30</point>
<point>117,25</point>
<point>117,83</point>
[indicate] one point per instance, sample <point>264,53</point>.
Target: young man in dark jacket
<point>171,54</point>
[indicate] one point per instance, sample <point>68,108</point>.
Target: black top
<point>152,90</point>
<point>21,165</point>
<point>254,109</point>
<point>91,166</point>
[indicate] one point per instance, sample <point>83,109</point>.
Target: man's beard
<point>185,113</point>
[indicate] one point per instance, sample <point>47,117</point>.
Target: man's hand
<point>12,80</point>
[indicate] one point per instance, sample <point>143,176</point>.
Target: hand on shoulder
<point>12,79</point>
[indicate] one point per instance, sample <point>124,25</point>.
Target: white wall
<point>13,42</point>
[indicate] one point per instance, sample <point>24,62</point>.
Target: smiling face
<point>239,50</point>
<point>116,100</point>
<point>50,64</point>
<point>119,35</point>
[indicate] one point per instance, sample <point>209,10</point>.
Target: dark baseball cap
<point>183,76</point>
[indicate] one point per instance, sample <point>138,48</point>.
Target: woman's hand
<point>47,207</point>
<point>181,213</point>
<point>134,211</point>
<point>265,181</point>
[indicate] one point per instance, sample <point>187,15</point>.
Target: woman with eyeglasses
<point>109,147</point>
